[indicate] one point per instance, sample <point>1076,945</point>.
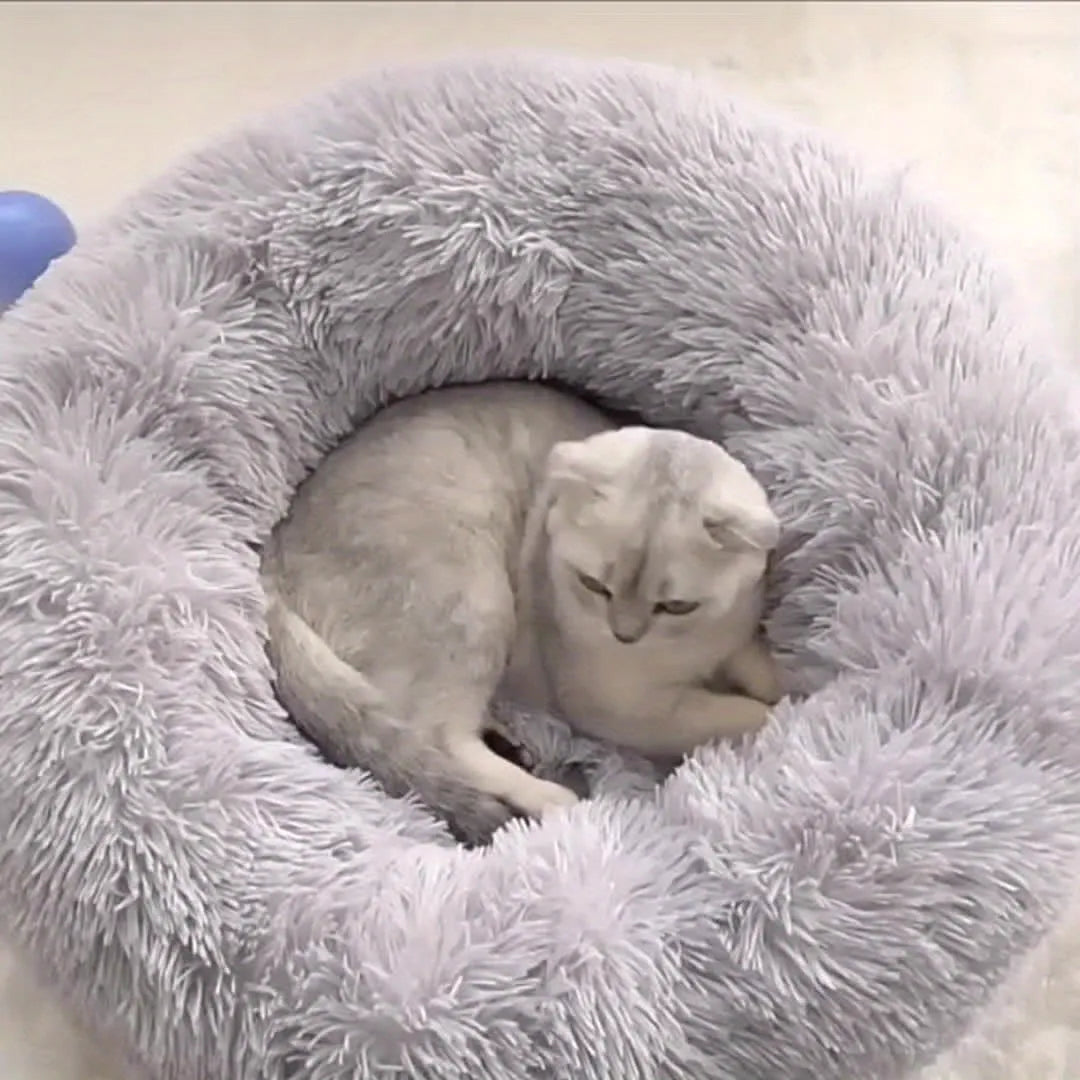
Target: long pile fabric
<point>840,899</point>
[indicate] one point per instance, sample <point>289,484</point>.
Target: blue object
<point>33,232</point>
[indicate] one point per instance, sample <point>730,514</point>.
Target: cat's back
<point>461,448</point>
<point>508,423</point>
<point>414,523</point>
<point>459,458</point>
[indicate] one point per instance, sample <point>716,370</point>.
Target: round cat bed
<point>840,899</point>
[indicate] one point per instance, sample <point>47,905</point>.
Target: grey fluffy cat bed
<point>840,900</point>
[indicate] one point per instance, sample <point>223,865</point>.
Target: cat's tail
<point>344,715</point>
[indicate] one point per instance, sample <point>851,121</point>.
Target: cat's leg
<point>699,716</point>
<point>494,775</point>
<point>754,670</point>
<point>470,668</point>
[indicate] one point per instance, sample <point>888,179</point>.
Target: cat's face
<point>654,533</point>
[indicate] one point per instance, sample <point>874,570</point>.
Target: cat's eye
<point>593,585</point>
<point>676,607</point>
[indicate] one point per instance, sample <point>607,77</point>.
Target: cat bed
<point>842,898</point>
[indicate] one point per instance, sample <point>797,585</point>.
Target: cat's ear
<point>575,467</point>
<point>751,526</point>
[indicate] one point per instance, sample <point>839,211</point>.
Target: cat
<point>402,584</point>
<point>657,540</point>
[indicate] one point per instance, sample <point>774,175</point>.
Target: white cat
<point>473,533</point>
<point>640,587</point>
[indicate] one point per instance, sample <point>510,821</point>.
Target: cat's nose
<point>628,621</point>
<point>628,630</point>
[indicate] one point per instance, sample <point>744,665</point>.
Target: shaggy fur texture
<point>839,900</point>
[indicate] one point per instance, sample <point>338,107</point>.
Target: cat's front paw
<point>771,693</point>
<point>755,670</point>
<point>743,715</point>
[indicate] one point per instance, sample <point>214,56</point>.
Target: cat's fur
<point>450,522</point>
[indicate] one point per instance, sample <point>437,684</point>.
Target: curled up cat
<point>509,538</point>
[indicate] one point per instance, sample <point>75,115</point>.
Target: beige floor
<point>981,99</point>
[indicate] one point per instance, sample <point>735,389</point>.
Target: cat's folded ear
<point>751,526</point>
<point>576,467</point>
<point>598,464</point>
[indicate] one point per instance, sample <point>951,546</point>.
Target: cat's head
<point>654,532</point>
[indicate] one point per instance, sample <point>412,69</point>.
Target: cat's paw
<point>752,715</point>
<point>561,797</point>
<point>542,797</point>
<point>771,693</point>
<point>755,670</point>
